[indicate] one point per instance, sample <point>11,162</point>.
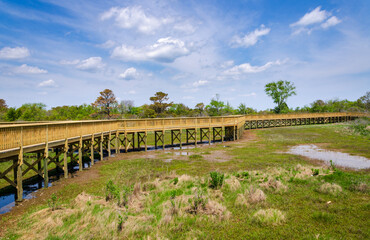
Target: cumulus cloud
<point>250,38</point>
<point>200,83</point>
<point>129,74</point>
<point>48,83</point>
<point>314,20</point>
<point>134,17</point>
<point>331,22</point>
<point>164,50</point>
<point>25,69</point>
<point>246,68</point>
<point>14,53</point>
<point>91,64</point>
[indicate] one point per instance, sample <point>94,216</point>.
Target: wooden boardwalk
<point>75,139</point>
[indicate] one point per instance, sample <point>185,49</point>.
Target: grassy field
<point>250,189</point>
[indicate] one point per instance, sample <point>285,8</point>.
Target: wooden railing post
<point>46,157</point>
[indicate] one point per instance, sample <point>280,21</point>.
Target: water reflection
<point>338,158</point>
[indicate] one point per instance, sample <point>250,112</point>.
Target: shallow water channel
<point>338,158</point>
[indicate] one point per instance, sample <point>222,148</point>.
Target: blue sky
<point>66,52</point>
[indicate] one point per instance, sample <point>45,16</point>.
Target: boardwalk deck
<point>87,137</point>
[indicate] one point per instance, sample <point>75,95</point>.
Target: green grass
<point>308,212</point>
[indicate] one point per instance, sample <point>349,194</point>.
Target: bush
<point>360,126</point>
<point>217,180</point>
<point>53,202</point>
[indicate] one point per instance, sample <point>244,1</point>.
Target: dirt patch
<point>217,156</point>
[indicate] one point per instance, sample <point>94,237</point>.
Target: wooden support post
<point>187,136</point>
<point>45,163</point>
<point>222,134</point>
<point>146,141</point>
<point>116,143</point>
<point>171,137</point>
<point>101,146</point>
<point>19,176</point>
<point>126,142</point>
<point>180,138</point>
<point>109,142</point>
<point>196,137</point>
<point>80,164</point>
<point>92,149</point>
<point>234,133</point>
<point>209,136</point>
<point>164,145</point>
<point>65,159</point>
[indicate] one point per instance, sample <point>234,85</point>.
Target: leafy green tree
<point>364,101</point>
<point>13,114</point>
<point>125,106</point>
<point>279,91</point>
<point>106,102</point>
<point>243,110</point>
<point>159,104</point>
<point>215,107</point>
<point>228,109</point>
<point>33,112</point>
<point>179,109</point>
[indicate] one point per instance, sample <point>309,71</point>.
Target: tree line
<point>106,106</point>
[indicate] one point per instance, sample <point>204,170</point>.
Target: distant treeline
<point>106,107</point>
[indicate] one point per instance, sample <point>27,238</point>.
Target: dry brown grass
<point>330,188</point>
<point>273,184</point>
<point>269,216</point>
<point>233,183</point>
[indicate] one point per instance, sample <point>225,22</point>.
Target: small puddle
<point>338,158</point>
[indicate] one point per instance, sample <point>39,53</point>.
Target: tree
<point>159,104</point>
<point>33,112</point>
<point>279,91</point>
<point>216,106</point>
<point>106,101</point>
<point>125,106</point>
<point>3,106</point>
<point>364,101</point>
<point>12,114</point>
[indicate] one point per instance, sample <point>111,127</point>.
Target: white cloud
<point>200,83</point>
<point>132,92</point>
<point>252,94</point>
<point>227,64</point>
<point>315,16</point>
<point>330,22</point>
<point>186,27</point>
<point>14,53</point>
<point>25,69</point>
<point>91,64</point>
<point>134,17</point>
<point>250,38</point>
<point>246,68</point>
<point>164,50</point>
<point>48,83</point>
<point>129,74</point>
<point>314,20</point>
<point>69,62</point>
<point>107,44</point>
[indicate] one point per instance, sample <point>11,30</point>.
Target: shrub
<point>217,180</point>
<point>269,216</point>
<point>53,202</point>
<point>315,172</point>
<point>198,202</point>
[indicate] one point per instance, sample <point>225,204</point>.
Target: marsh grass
<point>159,209</point>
